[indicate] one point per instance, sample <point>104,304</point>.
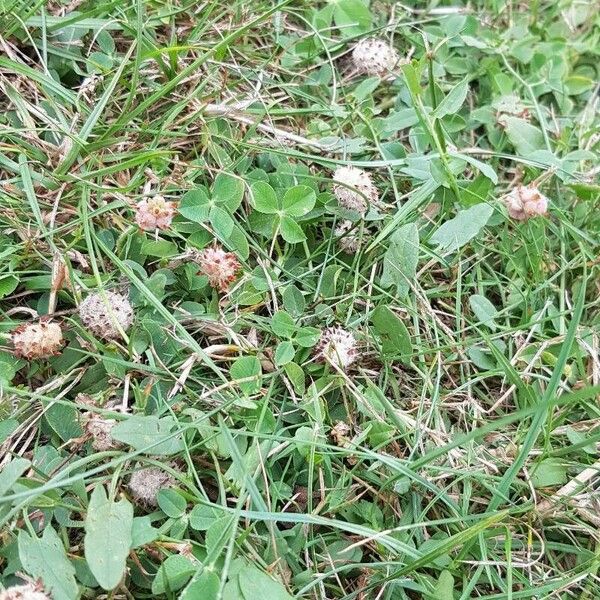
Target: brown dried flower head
<point>219,266</point>
<point>99,429</point>
<point>374,56</point>
<point>337,346</point>
<point>103,314</point>
<point>526,201</point>
<point>37,340</point>
<point>154,213</point>
<point>354,188</point>
<point>348,240</point>
<point>145,484</point>
<point>28,591</point>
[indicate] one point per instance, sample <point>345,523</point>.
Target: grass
<point>456,457</point>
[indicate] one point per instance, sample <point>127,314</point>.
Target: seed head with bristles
<point>29,591</point>
<point>154,213</point>
<point>526,201</point>
<point>354,188</point>
<point>99,429</point>
<point>37,340</point>
<point>337,346</point>
<point>104,313</point>
<point>347,240</point>
<point>374,56</point>
<point>219,266</point>
<point>145,484</point>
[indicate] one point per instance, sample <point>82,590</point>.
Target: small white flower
<point>37,340</point>
<point>28,591</point>
<point>354,188</point>
<point>526,201</point>
<point>104,313</point>
<point>348,241</point>
<point>154,213</point>
<point>145,484</point>
<point>374,56</point>
<point>337,346</point>
<point>219,266</point>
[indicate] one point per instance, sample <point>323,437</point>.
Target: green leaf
<point>244,367</point>
<point>218,536</point>
<point>108,536</point>
<point>263,198</point>
<point>7,426</point>
<point>203,516</point>
<point>205,584</point>
<point>8,284</point>
<point>159,248</point>
<point>284,353</point>
<point>195,206</point>
<point>256,584</point>
<point>460,230</point>
<point>293,300</point>
<point>237,242</point>
<point>451,103</point>
<point>412,79</point>
<point>525,137</point>
<point>485,169</point>
<point>401,259</point>
<point>11,472</point>
<point>291,232</point>
<point>549,472</point>
<point>171,503</point>
<point>173,574</point>
<point>64,420</point>
<point>392,331</point>
<point>221,221</point>
<point>140,432</point>
<point>142,532</point>
<point>307,337</point>
<point>283,325</point>
<point>228,190</point>
<point>444,588</point>
<point>45,558</point>
<point>578,437</point>
<point>299,200</point>
<point>296,376</point>
<point>576,84</point>
<point>484,310</point>
<point>352,17</point>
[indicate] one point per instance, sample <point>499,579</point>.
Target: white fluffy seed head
<point>37,340</point>
<point>28,591</point>
<point>154,213</point>
<point>104,313</point>
<point>354,189</point>
<point>374,56</point>
<point>347,240</point>
<point>337,346</point>
<point>526,201</point>
<point>145,484</point>
<point>219,266</point>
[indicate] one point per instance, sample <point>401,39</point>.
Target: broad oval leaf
<point>299,200</point>
<point>108,537</point>
<point>460,230</point>
<point>150,432</point>
<point>45,558</point>
<point>264,198</point>
<point>195,206</point>
<point>401,259</point>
